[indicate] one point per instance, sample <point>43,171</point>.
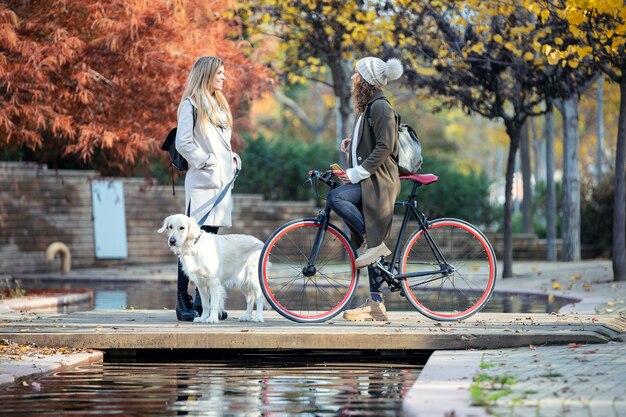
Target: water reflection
<point>217,389</point>
<point>159,295</point>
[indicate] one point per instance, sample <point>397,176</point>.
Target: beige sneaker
<point>369,310</point>
<point>361,250</point>
<point>371,255</point>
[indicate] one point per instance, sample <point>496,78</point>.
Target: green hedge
<point>278,168</point>
<point>456,194</point>
<point>597,208</point>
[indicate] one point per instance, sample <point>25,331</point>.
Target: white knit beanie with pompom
<point>377,72</point>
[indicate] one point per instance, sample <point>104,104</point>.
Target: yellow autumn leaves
<point>606,38</point>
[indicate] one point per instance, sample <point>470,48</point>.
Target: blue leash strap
<point>220,197</point>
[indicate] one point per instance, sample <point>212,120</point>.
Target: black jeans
<point>183,279</point>
<point>346,201</point>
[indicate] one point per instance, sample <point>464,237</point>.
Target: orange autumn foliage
<point>100,81</point>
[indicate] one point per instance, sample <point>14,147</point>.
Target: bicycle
<point>446,270</point>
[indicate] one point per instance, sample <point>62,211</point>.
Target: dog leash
<point>220,197</point>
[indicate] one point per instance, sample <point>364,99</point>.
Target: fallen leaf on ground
<point>532,347</point>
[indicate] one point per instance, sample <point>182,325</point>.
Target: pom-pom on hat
<point>377,72</point>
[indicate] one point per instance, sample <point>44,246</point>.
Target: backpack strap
<point>368,109</point>
<point>369,118</point>
<point>194,113</point>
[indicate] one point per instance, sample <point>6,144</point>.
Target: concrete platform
<point>158,329</point>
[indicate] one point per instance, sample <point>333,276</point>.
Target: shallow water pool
<point>254,386</point>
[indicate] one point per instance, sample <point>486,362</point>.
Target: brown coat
<point>380,190</point>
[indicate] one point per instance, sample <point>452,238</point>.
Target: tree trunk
<point>538,152</point>
<point>513,130</point>
<point>550,189</point>
<point>619,213</point>
<point>527,198</point>
<point>600,128</point>
<point>318,125</point>
<point>571,181</point>
<point>341,70</point>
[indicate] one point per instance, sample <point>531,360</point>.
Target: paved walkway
<point>534,380</point>
<point>565,380</point>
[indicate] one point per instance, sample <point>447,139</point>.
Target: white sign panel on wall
<point>109,219</point>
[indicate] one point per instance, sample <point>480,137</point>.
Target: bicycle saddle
<point>423,179</point>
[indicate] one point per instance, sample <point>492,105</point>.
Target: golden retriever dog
<point>215,263</point>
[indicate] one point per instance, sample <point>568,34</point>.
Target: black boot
<point>197,302</point>
<point>197,305</point>
<point>184,307</point>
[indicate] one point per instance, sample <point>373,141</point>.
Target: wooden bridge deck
<point>158,329</point>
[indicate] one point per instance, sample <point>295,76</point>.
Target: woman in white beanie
<point>366,199</point>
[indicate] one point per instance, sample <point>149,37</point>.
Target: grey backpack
<point>409,148</point>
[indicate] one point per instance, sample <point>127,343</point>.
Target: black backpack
<point>169,145</point>
<point>176,159</point>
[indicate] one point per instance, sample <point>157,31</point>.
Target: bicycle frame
<point>411,209</point>
<point>323,219</point>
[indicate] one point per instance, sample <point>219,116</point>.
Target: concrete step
<point>158,329</point>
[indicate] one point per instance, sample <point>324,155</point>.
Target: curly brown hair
<point>362,93</point>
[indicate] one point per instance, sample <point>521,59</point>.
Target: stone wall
<point>39,206</point>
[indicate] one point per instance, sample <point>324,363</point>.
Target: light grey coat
<point>212,165</point>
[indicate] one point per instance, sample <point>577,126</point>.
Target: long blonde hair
<point>209,102</point>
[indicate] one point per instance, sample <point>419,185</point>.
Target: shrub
<point>597,212</point>
<point>278,168</point>
<point>456,194</point>
<point>539,210</point>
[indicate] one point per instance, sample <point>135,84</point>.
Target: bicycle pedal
<point>378,264</point>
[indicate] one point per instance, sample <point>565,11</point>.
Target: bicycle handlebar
<point>325,177</point>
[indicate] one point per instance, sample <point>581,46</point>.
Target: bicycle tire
<point>303,299</point>
<point>457,295</point>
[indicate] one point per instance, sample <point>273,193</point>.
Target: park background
<point>518,107</point>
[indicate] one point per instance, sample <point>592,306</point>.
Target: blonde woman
<point>203,138</point>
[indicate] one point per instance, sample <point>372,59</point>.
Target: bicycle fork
<point>310,270</point>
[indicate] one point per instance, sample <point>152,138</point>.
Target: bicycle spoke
<point>328,284</point>
<point>466,288</point>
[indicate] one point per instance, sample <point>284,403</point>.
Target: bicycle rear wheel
<point>468,285</point>
<point>298,291</point>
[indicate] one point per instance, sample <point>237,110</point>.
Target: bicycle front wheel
<point>301,291</point>
<point>469,280</point>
